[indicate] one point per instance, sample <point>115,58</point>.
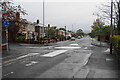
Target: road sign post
<point>6,24</point>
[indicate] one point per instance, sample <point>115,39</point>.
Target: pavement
<point>97,43</point>
<point>90,61</point>
<point>102,64</point>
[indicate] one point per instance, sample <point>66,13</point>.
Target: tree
<point>51,33</point>
<point>79,32</point>
<point>105,30</point>
<point>96,27</point>
<point>95,30</point>
<point>105,13</point>
<point>62,29</point>
<point>12,14</point>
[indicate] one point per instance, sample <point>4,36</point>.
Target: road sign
<point>6,23</point>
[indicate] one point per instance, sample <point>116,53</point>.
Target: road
<point>41,59</point>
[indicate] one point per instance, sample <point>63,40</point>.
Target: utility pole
<point>111,27</point>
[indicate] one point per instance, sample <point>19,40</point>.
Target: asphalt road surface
<point>35,62</point>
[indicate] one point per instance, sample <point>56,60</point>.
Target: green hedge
<point>116,42</point>
<point>21,38</point>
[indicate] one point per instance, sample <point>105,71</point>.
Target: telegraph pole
<point>111,27</point>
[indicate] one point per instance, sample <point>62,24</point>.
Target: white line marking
<point>87,59</point>
<point>67,47</point>
<point>108,50</point>
<point>108,59</point>
<point>74,44</point>
<point>8,73</point>
<point>85,48</point>
<point>30,54</point>
<point>8,64</point>
<point>91,45</point>
<point>31,63</point>
<point>32,47</point>
<point>55,53</point>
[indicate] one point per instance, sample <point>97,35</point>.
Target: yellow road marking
<point>5,57</point>
<point>11,60</point>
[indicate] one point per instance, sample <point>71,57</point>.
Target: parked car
<point>72,39</point>
<point>68,37</point>
<point>79,37</point>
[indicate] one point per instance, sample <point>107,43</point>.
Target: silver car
<point>72,39</point>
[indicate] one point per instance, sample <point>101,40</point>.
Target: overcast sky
<point>75,14</point>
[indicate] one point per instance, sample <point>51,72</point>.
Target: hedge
<point>116,42</point>
<point>21,38</point>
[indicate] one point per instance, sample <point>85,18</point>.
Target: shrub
<point>45,38</point>
<point>116,41</point>
<point>21,38</point>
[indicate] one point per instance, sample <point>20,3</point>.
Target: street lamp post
<point>43,21</point>
<point>111,27</point>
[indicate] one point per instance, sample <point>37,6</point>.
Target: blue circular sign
<point>6,23</point>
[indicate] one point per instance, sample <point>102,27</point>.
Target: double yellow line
<point>8,61</point>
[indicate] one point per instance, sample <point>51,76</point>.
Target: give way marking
<point>74,44</point>
<point>67,47</point>
<point>55,53</point>
<point>107,50</point>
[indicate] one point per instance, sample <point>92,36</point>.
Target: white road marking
<point>74,44</point>
<point>55,53</point>
<point>87,59</point>
<point>30,54</point>
<point>31,63</point>
<point>67,47</point>
<point>86,48</point>
<point>32,47</point>
<point>8,73</point>
<point>108,50</point>
<point>8,64</point>
<point>108,59</point>
<point>91,45</point>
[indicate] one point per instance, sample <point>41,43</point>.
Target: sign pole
<point>7,38</point>
<point>6,24</point>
